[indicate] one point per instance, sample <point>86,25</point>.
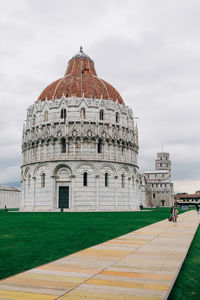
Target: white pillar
<point>116,204</point>
<point>129,191</point>
<point>23,192</point>
<point>34,191</point>
<point>53,192</point>
<point>97,192</point>
<point>72,192</point>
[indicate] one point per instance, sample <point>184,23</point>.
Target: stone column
<point>72,191</point>
<point>59,149</point>
<point>28,150</point>
<point>45,150</point>
<point>95,144</point>
<point>97,192</point>
<point>103,150</point>
<point>40,150</point>
<point>89,145</point>
<point>110,149</point>
<point>115,147</point>
<point>23,192</point>
<point>53,192</point>
<point>34,191</point>
<point>67,147</point>
<point>74,144</point>
<point>129,191</point>
<point>81,147</point>
<point>116,188</point>
<point>52,150</point>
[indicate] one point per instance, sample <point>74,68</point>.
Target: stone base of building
<point>87,209</point>
<point>81,186</point>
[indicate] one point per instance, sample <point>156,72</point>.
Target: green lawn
<point>31,239</point>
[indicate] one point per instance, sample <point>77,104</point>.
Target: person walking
<point>197,207</point>
<point>175,215</point>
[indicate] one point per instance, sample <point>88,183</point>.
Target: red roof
<point>185,196</point>
<point>81,80</point>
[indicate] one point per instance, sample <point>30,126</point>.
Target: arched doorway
<point>162,202</point>
<point>63,186</point>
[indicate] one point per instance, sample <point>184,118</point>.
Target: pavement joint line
<point>101,270</point>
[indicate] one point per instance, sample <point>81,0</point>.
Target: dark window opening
<point>63,145</point>
<point>123,180</point>
<point>85,179</point>
<point>63,113</point>
<point>117,117</point>
<point>99,146</point>
<point>42,180</point>
<point>154,196</point>
<point>106,179</point>
<point>101,114</point>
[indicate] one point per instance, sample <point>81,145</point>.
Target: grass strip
<point>187,284</point>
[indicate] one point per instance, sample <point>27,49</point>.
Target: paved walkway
<point>142,264</point>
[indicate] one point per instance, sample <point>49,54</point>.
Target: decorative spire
<point>81,49</point>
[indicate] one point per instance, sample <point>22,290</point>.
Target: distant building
<point>159,189</point>
<point>188,199</point>
<point>10,196</point>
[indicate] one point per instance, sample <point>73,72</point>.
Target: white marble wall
<point>94,196</point>
<point>12,199</point>
<point>42,153</point>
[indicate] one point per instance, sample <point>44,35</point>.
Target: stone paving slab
<point>140,265</point>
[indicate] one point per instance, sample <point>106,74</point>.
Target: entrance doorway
<point>163,202</point>
<point>63,197</point>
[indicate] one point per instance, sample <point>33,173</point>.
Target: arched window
<point>85,179</point>
<point>45,116</point>
<point>101,114</point>
<point>117,117</point>
<point>99,146</point>
<point>123,180</point>
<point>42,180</point>
<point>63,145</point>
<point>63,113</point>
<point>106,179</point>
<point>83,113</point>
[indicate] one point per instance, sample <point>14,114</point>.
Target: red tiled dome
<point>81,80</point>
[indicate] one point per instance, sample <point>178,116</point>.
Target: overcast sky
<point>149,50</point>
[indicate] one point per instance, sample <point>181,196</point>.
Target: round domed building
<point>80,146</point>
